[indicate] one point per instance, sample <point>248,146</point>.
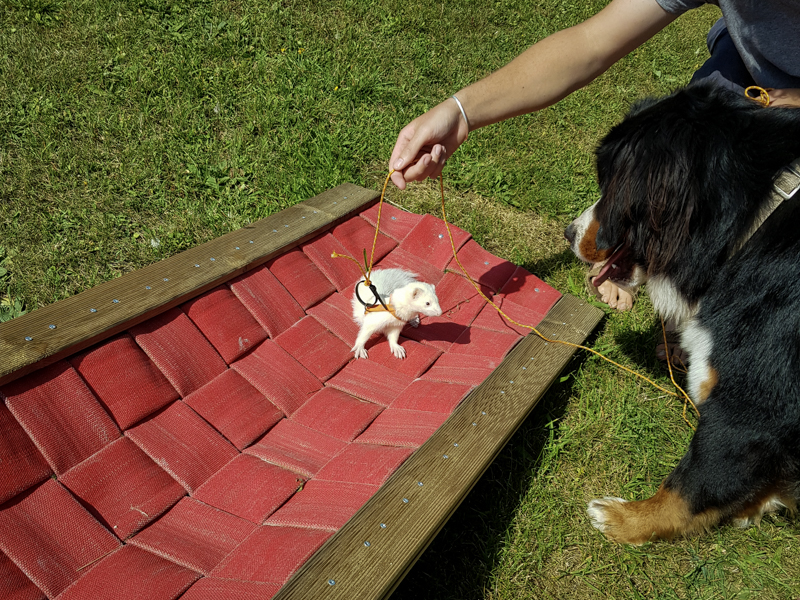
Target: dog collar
<point>785,185</point>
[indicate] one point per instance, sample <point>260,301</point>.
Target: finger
<point>420,170</point>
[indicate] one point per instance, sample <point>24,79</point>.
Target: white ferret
<point>406,296</point>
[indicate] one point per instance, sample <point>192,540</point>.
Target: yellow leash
<point>368,267</point>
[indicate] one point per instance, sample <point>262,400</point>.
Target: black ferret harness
<point>379,305</point>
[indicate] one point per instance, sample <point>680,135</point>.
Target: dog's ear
<point>646,173</point>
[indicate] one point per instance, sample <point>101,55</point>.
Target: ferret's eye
<point>427,304</point>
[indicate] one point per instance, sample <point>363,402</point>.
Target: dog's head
<point>669,174</point>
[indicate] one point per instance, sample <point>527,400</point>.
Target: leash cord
<point>687,400</point>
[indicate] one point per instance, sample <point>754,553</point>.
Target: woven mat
<point>210,451</point>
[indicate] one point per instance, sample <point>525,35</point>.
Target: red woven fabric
<point>356,235</point>
<point>314,347</point>
<point>399,427</point>
<point>274,373</point>
<point>296,447</point>
<point>433,396</point>
<point>364,463</point>
<point>125,489</point>
<point>323,505</point>
<point>301,277</point>
<point>13,583</point>
<point>336,315</point>
<point>438,332</point>
<point>429,241</point>
<point>395,223</point>
<point>225,322</point>
<point>194,535</point>
<point>249,488</point>
<point>529,291</point>
<point>211,588</point>
<point>179,350</point>
<point>183,444</point>
<point>484,342</point>
<point>462,368</point>
<point>419,357</point>
<point>341,272</point>
<point>51,538</point>
<point>402,259</point>
<point>21,464</point>
<point>234,408</point>
<point>60,414</point>
<point>484,267</point>
<point>125,380</point>
<point>459,299</point>
<point>489,318</point>
<point>267,300</point>
<point>336,414</point>
<point>271,554</point>
<point>132,574</point>
<point>370,381</point>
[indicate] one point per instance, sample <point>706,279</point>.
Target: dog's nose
<point>569,233</point>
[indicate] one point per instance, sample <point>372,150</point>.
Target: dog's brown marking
<point>588,244</point>
<point>765,503</point>
<point>712,377</point>
<point>663,516</point>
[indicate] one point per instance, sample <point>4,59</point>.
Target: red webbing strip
<point>51,537</point>
<point>433,396</point>
<point>323,505</point>
<point>337,414</point>
<point>293,446</point>
<point>123,487</point>
<point>267,300</point>
<point>249,488</point>
<point>60,414</point>
<point>234,408</point>
<point>183,444</point>
<point>225,322</point>
<point>429,241</point>
<point>484,267</point>
<point>271,554</point>
<point>370,381</point>
<point>398,427</point>
<point>21,464</point>
<point>124,379</point>
<point>179,350</point>
<point>132,574</point>
<point>194,535</point>
<point>364,463</point>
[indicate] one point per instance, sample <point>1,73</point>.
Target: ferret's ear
<point>415,293</point>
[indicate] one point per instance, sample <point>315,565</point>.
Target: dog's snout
<point>569,233</point>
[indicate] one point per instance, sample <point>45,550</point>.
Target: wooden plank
<point>72,324</point>
<point>370,555</point>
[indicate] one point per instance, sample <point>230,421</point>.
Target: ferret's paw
<point>399,351</point>
<point>414,322</point>
<point>359,352</point>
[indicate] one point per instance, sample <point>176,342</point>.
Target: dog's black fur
<point>685,179</point>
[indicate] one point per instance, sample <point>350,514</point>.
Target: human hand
<point>425,144</point>
<point>786,98</point>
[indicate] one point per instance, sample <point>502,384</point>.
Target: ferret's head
<point>417,298</point>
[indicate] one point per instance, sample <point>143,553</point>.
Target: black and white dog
<point>687,207</point>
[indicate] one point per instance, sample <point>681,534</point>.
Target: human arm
<point>542,75</point>
<point>785,98</point>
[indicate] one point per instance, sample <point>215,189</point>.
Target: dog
<point>687,206</point>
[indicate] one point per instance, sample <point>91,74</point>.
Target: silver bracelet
<point>461,108</point>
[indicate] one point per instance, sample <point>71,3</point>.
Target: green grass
<point>130,131</point>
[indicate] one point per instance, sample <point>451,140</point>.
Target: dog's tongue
<point>608,267</point>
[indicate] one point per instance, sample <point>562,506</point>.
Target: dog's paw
<point>359,352</point>
<point>599,511</point>
<point>399,351</point>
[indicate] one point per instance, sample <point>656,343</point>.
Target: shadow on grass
<point>458,564</point>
